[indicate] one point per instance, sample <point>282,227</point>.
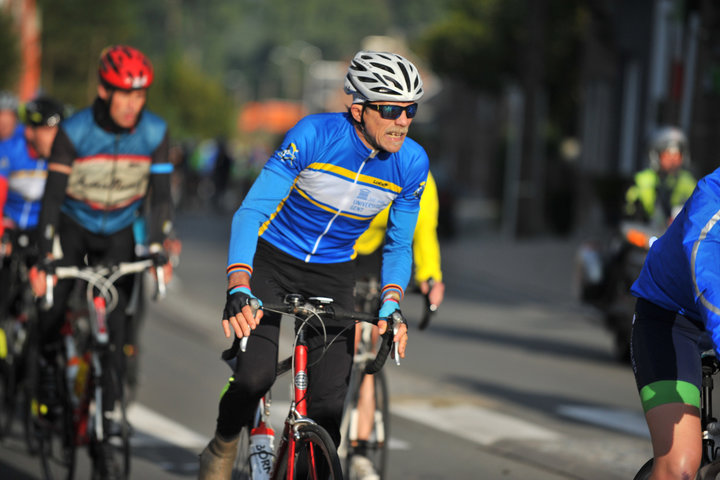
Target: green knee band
<point>669,391</point>
<point>225,388</point>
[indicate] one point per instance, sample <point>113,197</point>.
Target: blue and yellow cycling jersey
<point>26,184</point>
<point>319,191</point>
<point>681,271</point>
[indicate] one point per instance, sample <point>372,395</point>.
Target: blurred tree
<point>74,34</point>
<point>9,52</point>
<point>193,103</point>
<point>484,44</point>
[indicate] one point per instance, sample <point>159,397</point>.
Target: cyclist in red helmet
<point>107,161</point>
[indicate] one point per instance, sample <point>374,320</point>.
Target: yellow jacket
<point>426,248</point>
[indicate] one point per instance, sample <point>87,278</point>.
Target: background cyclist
<point>26,175</point>
<point>315,196</point>
<point>659,191</point>
<point>12,144</point>
<point>428,278</point>
<point>91,205</point>
<point>678,304</point>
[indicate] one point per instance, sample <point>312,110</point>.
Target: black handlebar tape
<point>383,353</point>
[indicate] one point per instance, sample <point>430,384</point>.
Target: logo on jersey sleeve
<point>289,154</point>
<point>418,193</point>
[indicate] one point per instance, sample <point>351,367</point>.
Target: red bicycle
<point>78,420</point>
<point>305,449</point>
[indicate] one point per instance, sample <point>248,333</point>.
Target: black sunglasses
<point>392,112</point>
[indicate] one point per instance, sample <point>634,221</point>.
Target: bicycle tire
<point>56,436</point>
<point>27,395</point>
<point>378,444</point>
<point>312,441</point>
<point>645,471</point>
<point>8,377</point>
<point>119,434</point>
<point>709,471</point>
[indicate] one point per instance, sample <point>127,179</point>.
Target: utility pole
<point>531,204</point>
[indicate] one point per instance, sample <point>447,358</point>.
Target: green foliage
<point>477,41</point>
<point>194,104</point>
<point>9,52</point>
<point>484,43</point>
<point>74,34</point>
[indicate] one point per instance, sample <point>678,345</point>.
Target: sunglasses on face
<point>392,112</point>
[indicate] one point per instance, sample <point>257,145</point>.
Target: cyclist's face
<point>41,138</point>
<point>125,106</point>
<point>387,134</point>
<point>670,160</point>
<point>8,120</point>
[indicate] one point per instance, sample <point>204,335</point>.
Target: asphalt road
<point>512,380</point>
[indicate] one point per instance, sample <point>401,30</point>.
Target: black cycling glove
<point>237,298</point>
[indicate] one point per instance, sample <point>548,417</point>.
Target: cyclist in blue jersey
<point>107,160</point>
<point>26,175</point>
<point>12,144</point>
<point>677,316</point>
<point>295,233</point>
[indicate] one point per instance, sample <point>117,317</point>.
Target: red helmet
<point>125,68</point>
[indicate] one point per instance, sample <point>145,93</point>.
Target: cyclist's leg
<point>72,239</point>
<point>252,377</point>
<point>666,362</point>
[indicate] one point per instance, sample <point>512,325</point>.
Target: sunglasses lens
<point>390,112</point>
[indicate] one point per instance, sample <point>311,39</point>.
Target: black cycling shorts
<point>665,353</point>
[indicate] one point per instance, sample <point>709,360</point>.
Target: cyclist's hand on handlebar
<point>239,314</point>
<point>38,276</point>
<point>434,290</point>
<point>161,259</point>
<point>388,307</point>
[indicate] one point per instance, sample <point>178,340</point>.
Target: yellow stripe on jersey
<point>344,172</point>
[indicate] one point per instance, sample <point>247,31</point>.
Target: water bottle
<point>73,362</point>
<point>261,451</point>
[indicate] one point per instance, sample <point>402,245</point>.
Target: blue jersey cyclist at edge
<point>295,233</point>
<point>678,308</point>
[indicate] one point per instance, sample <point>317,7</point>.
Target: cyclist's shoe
<point>361,468</point>
<point>218,457</point>
<point>105,467</point>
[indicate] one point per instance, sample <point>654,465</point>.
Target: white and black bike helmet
<point>668,138</point>
<point>382,77</point>
<point>8,101</point>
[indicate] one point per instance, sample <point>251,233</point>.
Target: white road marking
<point>474,423</point>
<point>622,420</point>
<point>152,429</point>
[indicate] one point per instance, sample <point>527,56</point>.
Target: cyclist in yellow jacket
<point>428,277</point>
<point>661,190</point>
<point>426,248</point>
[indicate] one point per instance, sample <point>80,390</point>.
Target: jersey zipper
<point>340,210</point>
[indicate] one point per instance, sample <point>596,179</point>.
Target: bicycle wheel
<point>315,455</point>
<point>709,471</point>
<point>56,434</point>
<point>117,428</point>
<point>645,471</point>
<point>27,394</point>
<point>376,446</point>
<point>8,375</point>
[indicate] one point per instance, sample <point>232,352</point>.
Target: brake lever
<point>255,305</point>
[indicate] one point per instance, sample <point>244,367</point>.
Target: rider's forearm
<point>238,279</point>
<point>160,194</point>
<point>397,252</point>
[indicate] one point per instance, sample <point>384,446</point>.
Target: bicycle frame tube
<point>100,331</point>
